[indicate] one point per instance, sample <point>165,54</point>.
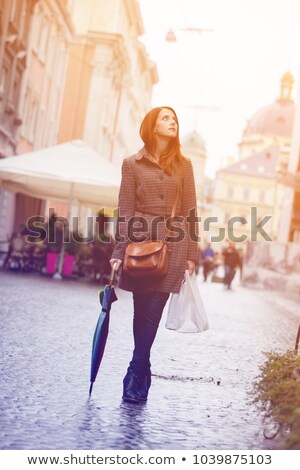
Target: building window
<point>13,9</point>
<point>36,29</point>
<point>60,66</point>
<point>51,49</point>
<point>230,192</point>
<point>50,139</point>
<point>32,120</point>
<point>42,30</point>
<point>23,15</point>
<point>24,113</point>
<point>4,80</point>
<point>39,130</point>
<point>15,12</point>
<point>246,193</point>
<point>3,90</point>
<point>43,38</point>
<point>226,217</point>
<point>262,196</point>
<point>16,87</point>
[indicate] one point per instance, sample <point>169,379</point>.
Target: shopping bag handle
<point>112,274</point>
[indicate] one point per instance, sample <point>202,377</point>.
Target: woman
<point>150,180</point>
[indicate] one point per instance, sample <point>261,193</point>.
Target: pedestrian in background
<point>150,181</point>
<point>199,260</point>
<point>241,255</point>
<point>207,260</point>
<point>218,268</point>
<point>231,262</point>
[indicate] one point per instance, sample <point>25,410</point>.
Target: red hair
<point>173,156</point>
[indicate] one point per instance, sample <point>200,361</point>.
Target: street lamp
<point>171,37</point>
<point>202,107</point>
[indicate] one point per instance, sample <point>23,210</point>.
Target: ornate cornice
<point>113,40</point>
<point>134,15</point>
<point>66,15</point>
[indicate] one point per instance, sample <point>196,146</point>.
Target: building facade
<point>43,83</point>
<point>253,180</point>
<point>193,146</point>
<point>34,46</point>
<point>15,24</point>
<point>271,125</point>
<point>289,229</point>
<point>245,193</point>
<point>109,79</point>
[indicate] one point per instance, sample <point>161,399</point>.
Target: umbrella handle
<point>112,274</point>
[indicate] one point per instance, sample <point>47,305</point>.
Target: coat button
<point>161,196</point>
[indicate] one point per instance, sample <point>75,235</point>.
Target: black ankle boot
<point>130,388</point>
<point>144,385</point>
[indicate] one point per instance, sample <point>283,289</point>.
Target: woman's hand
<point>191,266</point>
<point>117,261</point>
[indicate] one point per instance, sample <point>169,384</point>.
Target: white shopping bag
<point>186,312</point>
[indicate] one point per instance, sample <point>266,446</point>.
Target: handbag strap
<point>175,200</point>
<point>175,204</point>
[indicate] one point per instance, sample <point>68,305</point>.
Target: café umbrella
<point>107,296</point>
<point>63,173</point>
<point>71,173</point>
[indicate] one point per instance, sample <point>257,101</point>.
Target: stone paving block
<point>201,382</point>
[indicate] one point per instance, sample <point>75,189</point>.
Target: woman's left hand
<point>191,266</point>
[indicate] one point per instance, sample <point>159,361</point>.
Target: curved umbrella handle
<point>112,274</point>
<point>297,340</point>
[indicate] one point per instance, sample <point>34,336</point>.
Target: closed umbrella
<point>107,296</point>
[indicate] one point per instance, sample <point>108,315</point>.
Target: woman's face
<point>166,124</point>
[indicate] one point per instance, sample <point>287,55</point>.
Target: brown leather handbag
<point>148,258</point>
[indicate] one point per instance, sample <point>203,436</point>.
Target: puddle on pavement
<point>177,378</point>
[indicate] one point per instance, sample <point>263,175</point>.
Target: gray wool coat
<point>146,190</point>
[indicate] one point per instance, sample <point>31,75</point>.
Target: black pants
<point>207,267</point>
<point>148,309</point>
<point>229,275</point>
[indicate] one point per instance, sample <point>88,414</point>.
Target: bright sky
<point>236,69</point>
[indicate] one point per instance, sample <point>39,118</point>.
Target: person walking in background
<point>231,262</point>
<point>199,260</point>
<point>241,255</point>
<point>207,260</point>
<point>217,268</point>
<point>150,181</point>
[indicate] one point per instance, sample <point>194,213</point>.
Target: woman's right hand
<point>117,261</point>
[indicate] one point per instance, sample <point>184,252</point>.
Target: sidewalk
<point>201,382</point>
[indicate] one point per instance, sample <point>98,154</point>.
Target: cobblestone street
<point>201,382</point>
